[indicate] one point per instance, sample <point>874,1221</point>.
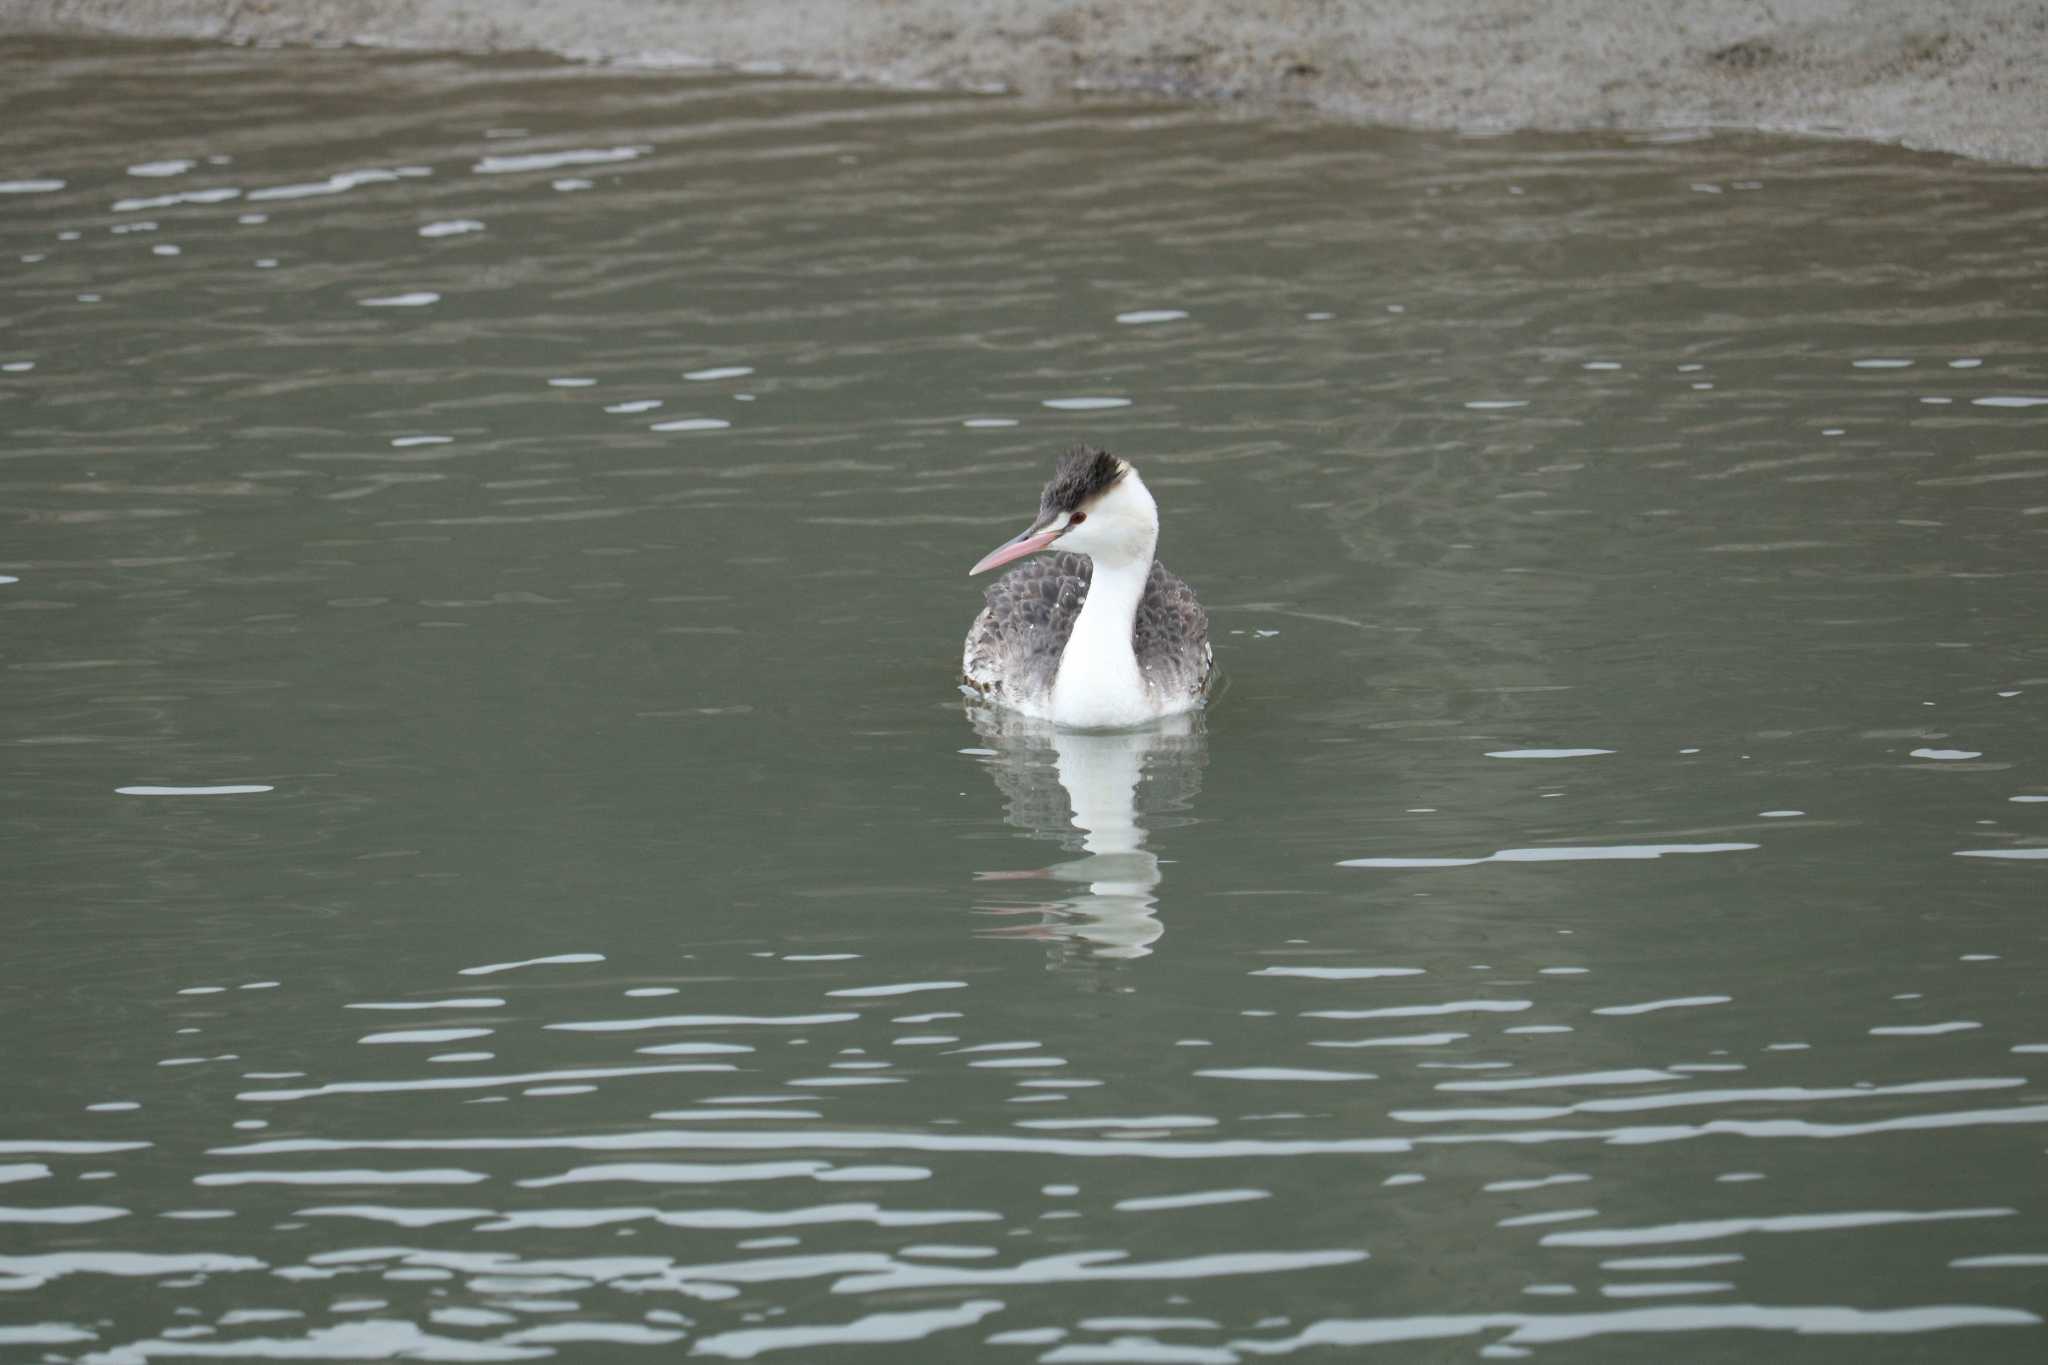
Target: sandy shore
<point>1964,76</point>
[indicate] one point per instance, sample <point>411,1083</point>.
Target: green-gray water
<point>1605,901</point>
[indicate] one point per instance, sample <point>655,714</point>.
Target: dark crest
<point>1082,473</point>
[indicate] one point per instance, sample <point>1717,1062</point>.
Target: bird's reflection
<point>1098,795</point>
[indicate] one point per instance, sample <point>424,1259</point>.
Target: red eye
<point>1077,518</point>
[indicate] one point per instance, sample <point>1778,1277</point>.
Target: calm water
<point>1606,901</point>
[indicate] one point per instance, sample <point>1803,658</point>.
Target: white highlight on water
<point>700,1021</point>
<point>1561,854</point>
<point>1285,1073</point>
<point>426,1035</point>
<point>558,959</point>
<point>164,201</point>
<point>1547,753</point>
<point>904,988</point>
<point>1679,1002</point>
<point>460,1002</point>
<point>912,1325</point>
<point>547,161</point>
<point>1412,1011</point>
<point>338,184</point>
<point>1339,973</point>
<point>1195,1200</point>
<point>1730,1227</point>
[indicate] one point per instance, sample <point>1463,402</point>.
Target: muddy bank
<point>1964,76</point>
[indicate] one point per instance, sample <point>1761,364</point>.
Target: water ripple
<point>648,733</point>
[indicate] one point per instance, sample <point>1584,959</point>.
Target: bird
<point>1096,635</point>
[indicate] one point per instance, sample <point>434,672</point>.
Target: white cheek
<point>1101,536</point>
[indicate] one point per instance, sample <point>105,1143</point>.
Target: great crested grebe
<point>1098,635</point>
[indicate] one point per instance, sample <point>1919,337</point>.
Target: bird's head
<point>1096,505</point>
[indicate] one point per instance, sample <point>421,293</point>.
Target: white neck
<point>1099,683</point>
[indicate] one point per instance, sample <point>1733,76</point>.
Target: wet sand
<point>1962,76</point>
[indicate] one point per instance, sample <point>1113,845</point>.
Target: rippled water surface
<point>497,866</point>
